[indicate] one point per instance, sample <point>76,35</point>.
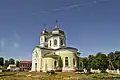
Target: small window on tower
<point>61,42</point>
<point>55,42</point>
<point>45,39</point>
<point>41,39</point>
<point>50,42</point>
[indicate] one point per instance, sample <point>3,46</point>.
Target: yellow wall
<point>47,64</point>
<point>70,58</point>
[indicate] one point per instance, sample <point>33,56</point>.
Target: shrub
<point>47,72</point>
<point>103,71</point>
<point>52,72</point>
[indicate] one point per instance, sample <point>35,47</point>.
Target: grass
<point>45,76</point>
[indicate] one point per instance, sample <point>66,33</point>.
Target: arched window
<point>66,62</point>
<point>35,66</point>
<point>61,42</point>
<point>50,42</point>
<point>55,63</point>
<point>73,61</point>
<point>45,39</point>
<point>55,42</point>
<point>41,39</point>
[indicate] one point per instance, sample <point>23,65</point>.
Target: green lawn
<point>45,76</point>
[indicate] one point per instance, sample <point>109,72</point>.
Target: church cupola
<point>44,32</point>
<point>57,38</point>
<point>44,37</point>
<point>57,30</point>
<point>56,26</point>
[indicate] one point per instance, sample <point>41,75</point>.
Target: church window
<point>73,61</point>
<point>61,42</point>
<point>41,39</point>
<point>50,42</point>
<point>46,45</point>
<point>45,39</point>
<point>55,42</point>
<point>66,61</point>
<point>35,65</point>
<point>55,63</point>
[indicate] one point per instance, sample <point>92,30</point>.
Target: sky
<point>90,25</point>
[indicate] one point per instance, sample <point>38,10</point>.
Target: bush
<point>47,72</point>
<point>52,72</point>
<point>103,71</point>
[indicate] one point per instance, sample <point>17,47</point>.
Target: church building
<point>52,52</point>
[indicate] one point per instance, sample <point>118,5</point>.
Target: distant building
<point>1,68</point>
<point>25,65</point>
<point>12,67</point>
<point>53,54</point>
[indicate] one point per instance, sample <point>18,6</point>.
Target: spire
<point>56,26</point>
<point>44,30</point>
<point>44,27</point>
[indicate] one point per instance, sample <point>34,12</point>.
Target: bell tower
<point>44,37</point>
<point>57,38</point>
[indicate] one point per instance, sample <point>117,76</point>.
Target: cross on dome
<point>56,26</point>
<point>44,27</point>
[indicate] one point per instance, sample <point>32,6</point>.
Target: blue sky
<point>91,25</point>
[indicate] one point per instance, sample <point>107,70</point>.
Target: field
<point>57,76</point>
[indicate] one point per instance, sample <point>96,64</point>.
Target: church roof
<point>44,32</point>
<point>50,54</point>
<point>67,48</point>
<point>51,33</point>
<point>58,48</point>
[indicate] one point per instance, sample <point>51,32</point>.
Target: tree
<point>111,59</point>
<point>17,64</point>
<point>85,62</point>
<point>1,61</point>
<point>117,59</point>
<point>11,61</point>
<point>60,64</point>
<point>92,62</point>
<point>102,61</point>
<point>6,64</point>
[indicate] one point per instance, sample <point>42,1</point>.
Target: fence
<point>108,71</point>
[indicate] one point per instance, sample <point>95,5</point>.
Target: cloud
<point>16,35</point>
<point>71,6</point>
<point>2,43</point>
<point>16,45</point>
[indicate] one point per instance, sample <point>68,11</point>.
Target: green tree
<point>117,59</point>
<point>111,60</point>
<point>11,61</point>
<point>102,61</point>
<point>92,62</point>
<point>1,61</point>
<point>6,64</point>
<point>85,62</point>
<point>17,63</point>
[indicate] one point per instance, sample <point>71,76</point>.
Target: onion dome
<point>57,30</point>
<point>44,32</point>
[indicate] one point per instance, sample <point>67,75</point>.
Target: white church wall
<point>36,58</point>
<point>58,38</point>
